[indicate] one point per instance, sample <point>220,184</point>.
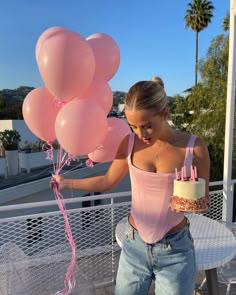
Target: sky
<point>150,34</point>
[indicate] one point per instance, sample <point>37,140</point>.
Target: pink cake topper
<point>194,176</point>
<point>183,174</point>
<point>176,174</point>
<point>195,173</point>
<point>192,173</point>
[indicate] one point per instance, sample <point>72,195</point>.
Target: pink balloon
<point>39,112</point>
<point>81,126</point>
<point>107,55</point>
<point>117,130</point>
<point>44,36</point>
<point>100,92</point>
<point>67,64</point>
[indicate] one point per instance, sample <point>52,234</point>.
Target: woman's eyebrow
<point>144,125</point>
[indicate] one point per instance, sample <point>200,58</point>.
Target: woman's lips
<point>146,140</point>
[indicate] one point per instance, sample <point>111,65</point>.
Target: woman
<point>158,80</point>
<point>158,244</point>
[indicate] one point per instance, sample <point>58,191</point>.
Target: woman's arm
<point>202,161</point>
<point>113,176</point>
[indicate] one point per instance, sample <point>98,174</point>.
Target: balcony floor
<point>200,276</point>
<point>109,290</point>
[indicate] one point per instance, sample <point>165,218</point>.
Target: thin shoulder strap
<point>189,152</point>
<point>130,146</point>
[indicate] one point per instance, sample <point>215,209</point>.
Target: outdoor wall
<point>39,190</point>
<point>21,127</point>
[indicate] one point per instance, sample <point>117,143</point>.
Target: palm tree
<point>198,16</point>
<point>225,23</point>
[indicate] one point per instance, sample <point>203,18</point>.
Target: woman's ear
<point>165,114</point>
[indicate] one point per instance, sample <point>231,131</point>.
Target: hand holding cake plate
<point>189,194</point>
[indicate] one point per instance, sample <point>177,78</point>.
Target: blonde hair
<point>146,95</point>
<point>158,80</point>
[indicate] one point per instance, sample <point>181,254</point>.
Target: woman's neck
<point>168,134</point>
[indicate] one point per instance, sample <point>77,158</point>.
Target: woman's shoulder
<point>183,138</point>
<point>123,147</point>
<point>199,145</point>
<point>186,139</point>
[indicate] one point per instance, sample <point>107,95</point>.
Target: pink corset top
<point>151,196</point>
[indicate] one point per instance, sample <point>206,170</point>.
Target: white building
<point>21,127</point>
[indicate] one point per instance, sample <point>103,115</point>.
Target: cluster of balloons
<point>73,105</point>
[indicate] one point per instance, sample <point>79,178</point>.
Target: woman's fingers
<point>54,185</point>
<point>56,181</point>
<point>53,182</point>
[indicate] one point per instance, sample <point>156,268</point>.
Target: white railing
<point>93,220</point>
<point>32,160</point>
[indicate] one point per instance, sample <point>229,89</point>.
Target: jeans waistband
<point>133,231</point>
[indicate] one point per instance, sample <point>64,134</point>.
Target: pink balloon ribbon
<point>70,279</point>
<point>49,152</point>
<point>64,159</point>
<point>89,163</point>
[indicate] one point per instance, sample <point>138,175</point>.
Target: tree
<point>206,104</point>
<point>198,16</point>
<point>225,23</point>
<point>180,116</point>
<point>3,101</point>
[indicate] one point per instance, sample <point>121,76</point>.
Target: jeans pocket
<point>182,241</point>
<point>190,236</point>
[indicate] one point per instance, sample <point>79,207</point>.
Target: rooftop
<point>91,231</point>
<point>35,174</point>
<point>39,242</point>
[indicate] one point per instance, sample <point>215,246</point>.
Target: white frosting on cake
<point>189,194</point>
<point>189,189</point>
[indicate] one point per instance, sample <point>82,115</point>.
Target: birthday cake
<point>189,193</point>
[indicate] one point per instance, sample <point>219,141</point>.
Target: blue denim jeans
<point>170,262</point>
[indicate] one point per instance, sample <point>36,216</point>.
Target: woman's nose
<point>141,133</point>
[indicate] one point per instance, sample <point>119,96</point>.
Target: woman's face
<point>146,124</point>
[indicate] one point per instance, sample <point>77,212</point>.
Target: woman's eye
<point>144,127</point>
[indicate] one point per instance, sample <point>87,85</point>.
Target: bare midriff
<point>174,229</point>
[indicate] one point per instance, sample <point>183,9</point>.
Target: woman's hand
<point>57,181</point>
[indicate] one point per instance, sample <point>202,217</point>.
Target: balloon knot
<point>89,163</point>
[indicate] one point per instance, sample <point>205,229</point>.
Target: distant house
<point>121,107</point>
<point>21,127</point>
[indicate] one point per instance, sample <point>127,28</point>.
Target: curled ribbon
<point>70,277</point>
<point>89,163</point>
